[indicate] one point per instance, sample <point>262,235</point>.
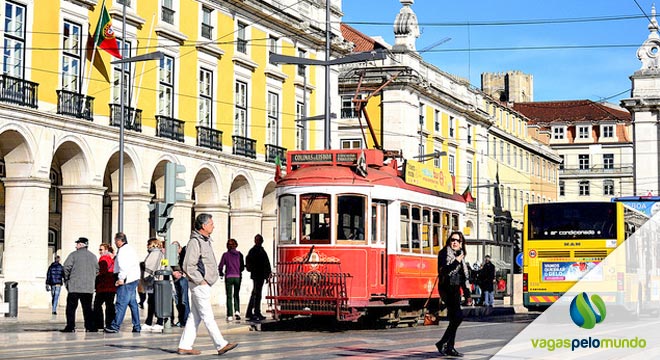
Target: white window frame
<point>584,188</point>
<point>607,131</point>
<point>166,86</point>
<point>272,118</point>
<point>300,126</point>
<point>558,133</point>
<point>167,9</point>
<point>608,161</point>
<point>241,108</point>
<point>451,164</point>
<point>117,73</point>
<point>205,116</point>
<point>583,162</point>
<point>206,26</point>
<point>242,37</point>
<point>583,131</point>
<point>13,58</point>
<point>350,144</point>
<point>71,56</point>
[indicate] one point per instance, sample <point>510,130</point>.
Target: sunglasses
<point>456,240</point>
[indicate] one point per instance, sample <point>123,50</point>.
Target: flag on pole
<point>361,168</point>
<point>104,36</point>
<point>278,168</point>
<point>467,194</point>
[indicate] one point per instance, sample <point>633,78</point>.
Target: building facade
<point>416,108</point>
<point>594,143</point>
<point>214,104</point>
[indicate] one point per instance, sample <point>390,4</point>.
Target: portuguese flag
<point>104,37</point>
<point>278,168</point>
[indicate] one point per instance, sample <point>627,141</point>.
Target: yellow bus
<point>562,242</point>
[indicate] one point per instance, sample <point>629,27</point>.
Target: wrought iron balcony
<point>75,104</point>
<point>472,205</point>
<point>244,146</point>
<point>209,138</point>
<point>349,113</point>
<point>132,117</point>
<point>18,91</point>
<point>272,151</point>
<point>169,128</point>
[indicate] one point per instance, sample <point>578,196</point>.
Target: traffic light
<point>160,217</point>
<point>173,183</point>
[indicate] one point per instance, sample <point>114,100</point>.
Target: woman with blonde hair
<point>152,263</point>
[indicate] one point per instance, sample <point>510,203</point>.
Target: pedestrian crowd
<point>107,286</point>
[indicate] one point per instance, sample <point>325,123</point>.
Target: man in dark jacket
<point>54,281</point>
<point>487,277</point>
<point>80,270</point>
<point>258,265</point>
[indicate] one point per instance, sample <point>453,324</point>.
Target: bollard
<point>163,294</point>
<point>11,297</point>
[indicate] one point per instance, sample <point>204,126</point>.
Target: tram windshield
<point>316,221</point>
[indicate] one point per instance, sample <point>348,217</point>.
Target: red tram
<point>354,239</point>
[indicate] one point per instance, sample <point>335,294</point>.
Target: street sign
<point>519,259</point>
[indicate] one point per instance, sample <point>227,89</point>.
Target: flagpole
<point>120,200</point>
<point>91,63</point>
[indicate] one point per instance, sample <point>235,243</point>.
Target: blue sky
<point>559,74</point>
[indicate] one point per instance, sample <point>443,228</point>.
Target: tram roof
<point>342,173</point>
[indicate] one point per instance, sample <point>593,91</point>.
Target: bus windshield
<point>577,221</point>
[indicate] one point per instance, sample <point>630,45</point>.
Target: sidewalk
<point>42,320</point>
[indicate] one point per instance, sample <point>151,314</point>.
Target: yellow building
<point>213,103</point>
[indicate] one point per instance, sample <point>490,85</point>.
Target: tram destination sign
<point>324,157</point>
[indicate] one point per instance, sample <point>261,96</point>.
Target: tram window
<point>351,210</point>
<point>426,232</point>
<point>374,224</point>
<point>416,224</point>
<point>287,219</point>
<point>315,215</point>
<point>437,232</point>
<point>405,225</point>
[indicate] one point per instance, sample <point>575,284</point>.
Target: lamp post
<point>483,241</point>
<point>150,56</point>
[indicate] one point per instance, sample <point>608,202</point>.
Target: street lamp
<point>351,58</point>
<point>434,155</point>
<point>150,56</point>
<point>483,241</point>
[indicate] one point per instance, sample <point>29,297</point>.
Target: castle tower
<point>511,86</point>
<point>644,106</point>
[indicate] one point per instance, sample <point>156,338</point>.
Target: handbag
<point>430,318</point>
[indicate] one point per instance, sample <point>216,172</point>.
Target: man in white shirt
<point>127,268</point>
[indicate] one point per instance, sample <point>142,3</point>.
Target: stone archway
<point>111,194</point>
<point>269,211</point>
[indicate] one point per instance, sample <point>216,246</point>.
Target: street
<point>478,340</point>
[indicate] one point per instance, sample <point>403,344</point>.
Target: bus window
<point>405,225</point>
<point>287,219</point>
<point>315,215</point>
<point>351,210</point>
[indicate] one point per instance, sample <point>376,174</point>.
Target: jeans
<point>126,298</point>
<point>55,293</point>
<point>233,286</point>
<point>201,310</point>
<point>489,298</point>
<point>181,300</point>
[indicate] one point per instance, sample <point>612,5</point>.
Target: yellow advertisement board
<point>428,176</point>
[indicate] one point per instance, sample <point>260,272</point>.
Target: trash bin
<point>11,297</point>
<point>163,294</point>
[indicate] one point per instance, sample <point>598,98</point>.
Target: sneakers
<point>157,328</point>
<point>237,316</point>
<point>110,330</point>
<point>230,318</point>
<point>146,328</point>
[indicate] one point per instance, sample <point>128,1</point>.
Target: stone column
<point>136,217</point>
<point>25,258</point>
<point>82,215</point>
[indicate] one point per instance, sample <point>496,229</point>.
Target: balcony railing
<point>207,31</point>
<point>169,128</point>
<point>18,91</point>
<point>472,205</point>
<point>209,138</point>
<point>167,15</point>
<point>244,146</point>
<point>132,117</point>
<point>596,170</point>
<point>75,104</point>
<point>272,151</point>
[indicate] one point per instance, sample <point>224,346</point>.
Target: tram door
<point>377,277</point>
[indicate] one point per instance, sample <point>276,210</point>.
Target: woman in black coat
<point>453,274</point>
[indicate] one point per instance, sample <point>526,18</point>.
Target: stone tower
<point>644,106</point>
<point>511,86</point>
<point>406,28</point>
